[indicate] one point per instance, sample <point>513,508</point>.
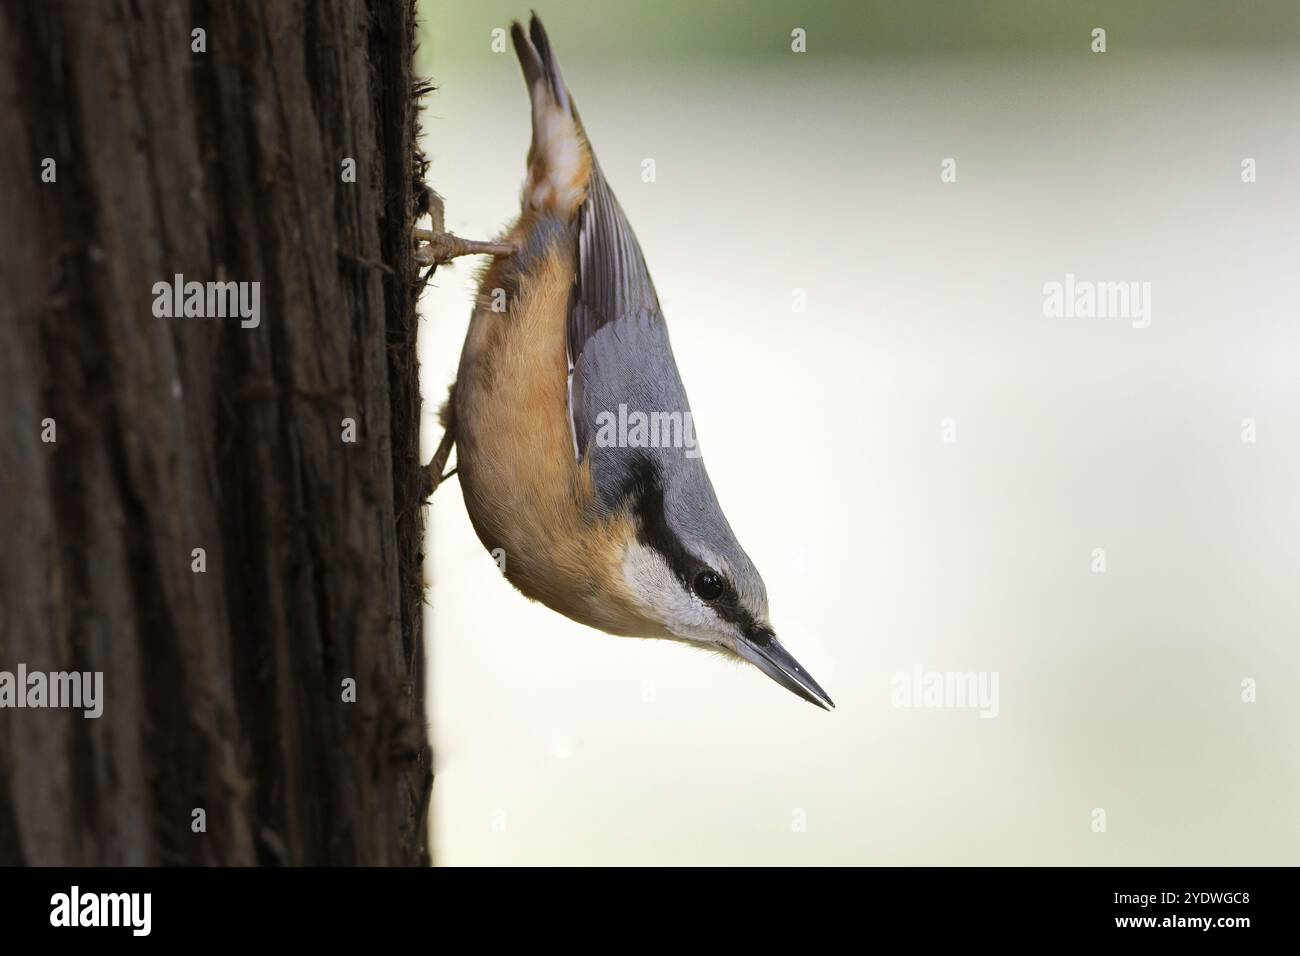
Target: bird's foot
<point>440,247</point>
<point>433,471</point>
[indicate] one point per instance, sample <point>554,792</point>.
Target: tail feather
<point>559,160</point>
<point>542,43</point>
<point>529,59</point>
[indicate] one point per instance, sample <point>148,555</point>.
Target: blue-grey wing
<point>626,399</point>
<point>617,341</point>
<point>627,404</point>
<point>612,280</point>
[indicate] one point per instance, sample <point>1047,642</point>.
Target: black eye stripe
<point>644,494</point>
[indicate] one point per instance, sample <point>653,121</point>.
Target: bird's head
<point>691,577</point>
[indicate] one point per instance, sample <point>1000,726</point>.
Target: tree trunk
<point>224,671</point>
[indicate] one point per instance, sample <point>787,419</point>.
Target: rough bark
<point>223,689</point>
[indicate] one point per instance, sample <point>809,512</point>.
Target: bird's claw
<point>433,471</point>
<point>440,247</point>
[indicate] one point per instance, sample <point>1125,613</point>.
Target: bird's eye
<point>708,585</point>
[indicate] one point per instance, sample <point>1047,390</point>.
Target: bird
<point>607,524</point>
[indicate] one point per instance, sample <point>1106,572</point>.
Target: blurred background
<point>921,463</point>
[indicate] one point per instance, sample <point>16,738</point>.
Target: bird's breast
<point>526,493</point>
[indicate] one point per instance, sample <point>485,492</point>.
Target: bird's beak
<point>764,651</point>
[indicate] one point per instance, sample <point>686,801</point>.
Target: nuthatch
<point>613,528</point>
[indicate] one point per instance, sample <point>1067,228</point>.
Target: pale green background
<point>882,546</point>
